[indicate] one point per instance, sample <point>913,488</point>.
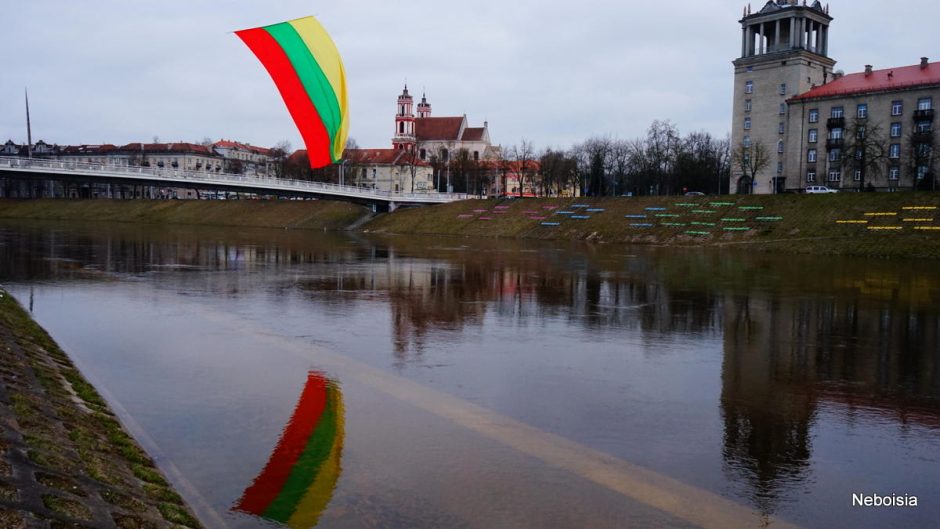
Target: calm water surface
<point>301,379</point>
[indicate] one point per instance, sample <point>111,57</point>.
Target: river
<point>288,378</point>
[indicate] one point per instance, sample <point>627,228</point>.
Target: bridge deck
<point>235,182</point>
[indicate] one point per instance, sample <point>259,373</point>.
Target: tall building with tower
<point>784,52</point>
<point>796,122</point>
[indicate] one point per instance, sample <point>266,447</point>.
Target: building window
<point>810,176</point>
<point>781,127</point>
<point>780,146</point>
<point>813,136</point>
<point>894,151</point>
<point>783,108</point>
<point>747,123</point>
<point>783,89</point>
<point>749,87</point>
<point>811,156</point>
<point>923,126</point>
<point>747,141</point>
<point>925,103</point>
<point>423,153</point>
<point>837,112</point>
<point>862,111</point>
<point>894,173</point>
<point>835,175</point>
<point>779,167</point>
<point>922,172</point>
<point>814,115</point>
<point>897,108</point>
<point>476,156</point>
<point>860,132</point>
<point>857,176</point>
<point>835,134</point>
<point>747,105</point>
<point>835,155</point>
<point>895,130</point>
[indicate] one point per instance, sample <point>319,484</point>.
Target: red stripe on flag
<point>266,487</point>
<point>298,102</point>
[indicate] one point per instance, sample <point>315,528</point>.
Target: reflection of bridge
<point>167,177</point>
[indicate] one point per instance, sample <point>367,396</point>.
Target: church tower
<point>784,52</point>
<point>404,123</point>
<point>424,108</point>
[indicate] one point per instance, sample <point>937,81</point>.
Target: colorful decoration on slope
<point>297,482</point>
<point>307,69</point>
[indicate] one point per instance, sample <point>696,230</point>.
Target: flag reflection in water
<point>297,483</point>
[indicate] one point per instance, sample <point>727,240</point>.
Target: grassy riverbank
<point>65,460</point>
<point>881,224</point>
<point>293,214</point>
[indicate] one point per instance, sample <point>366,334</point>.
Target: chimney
<point>867,70</point>
<point>923,63</point>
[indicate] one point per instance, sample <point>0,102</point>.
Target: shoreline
<point>65,457</point>
<point>878,225</point>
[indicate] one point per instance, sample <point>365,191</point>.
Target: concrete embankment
<point>293,214</point>
<point>65,460</point>
<point>862,224</point>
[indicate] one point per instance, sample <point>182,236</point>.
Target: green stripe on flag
<point>315,82</point>
<point>305,471</point>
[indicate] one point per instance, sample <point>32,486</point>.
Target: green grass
<point>780,223</point>
<point>300,214</point>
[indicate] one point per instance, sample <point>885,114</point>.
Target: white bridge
<point>168,177</point>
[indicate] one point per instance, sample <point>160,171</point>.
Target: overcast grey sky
<point>117,71</point>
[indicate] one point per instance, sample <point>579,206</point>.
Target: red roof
<point>167,147</point>
<point>473,134</point>
<point>88,149</point>
<point>438,128</point>
<point>380,157</point>
<point>905,77</point>
<point>226,144</point>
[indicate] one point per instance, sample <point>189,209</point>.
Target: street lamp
<point>342,171</point>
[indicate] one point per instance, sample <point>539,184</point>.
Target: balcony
<point>836,123</point>
<point>923,115</point>
<point>922,137</point>
<point>834,143</point>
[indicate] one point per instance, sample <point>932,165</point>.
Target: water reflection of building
<point>787,358</point>
<point>297,482</point>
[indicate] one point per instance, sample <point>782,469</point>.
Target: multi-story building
<point>784,52</point>
<point>868,130</point>
<point>796,122</point>
<point>387,170</point>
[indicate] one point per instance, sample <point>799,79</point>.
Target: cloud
<point>553,72</point>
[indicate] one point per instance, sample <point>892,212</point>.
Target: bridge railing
<point>181,176</point>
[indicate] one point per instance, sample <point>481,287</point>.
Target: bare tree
<point>922,161</point>
<point>522,156</point>
<point>279,154</point>
<point>750,159</point>
<point>866,149</point>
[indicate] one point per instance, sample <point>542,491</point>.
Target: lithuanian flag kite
<point>297,483</point>
<point>306,67</point>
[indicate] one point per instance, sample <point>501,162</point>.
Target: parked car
<point>820,189</point>
<point>695,194</point>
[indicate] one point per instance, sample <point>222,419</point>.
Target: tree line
<point>663,162</point>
